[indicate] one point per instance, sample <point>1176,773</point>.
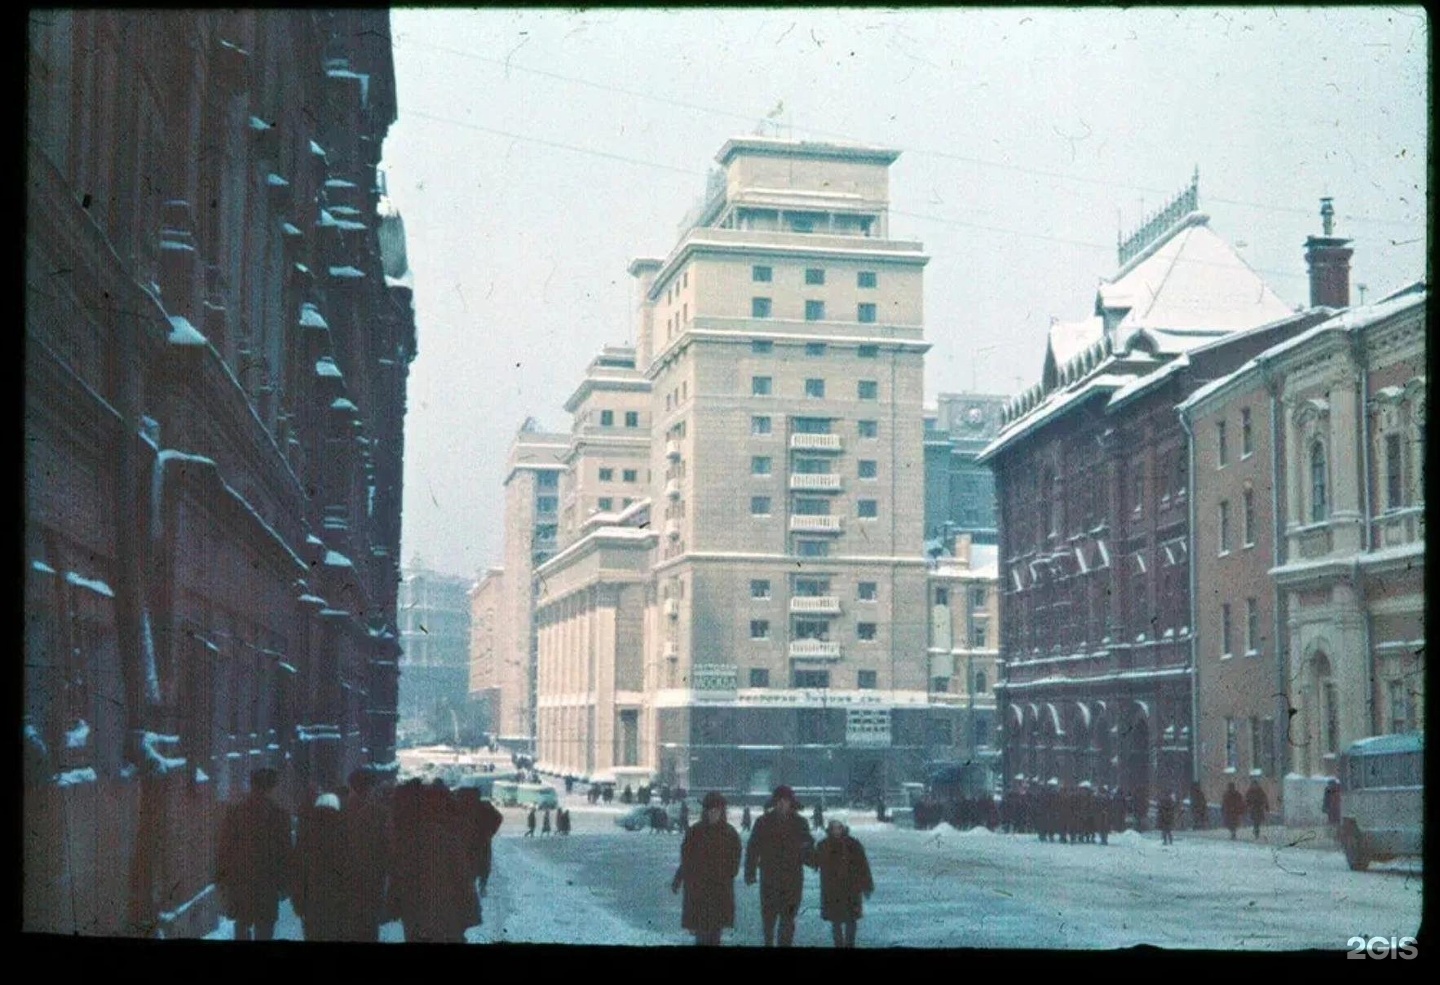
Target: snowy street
<point>943,888</point>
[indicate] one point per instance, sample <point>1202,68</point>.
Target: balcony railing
<point>824,482</point>
<point>814,650</point>
<point>817,524</point>
<point>816,442</point>
<point>829,604</point>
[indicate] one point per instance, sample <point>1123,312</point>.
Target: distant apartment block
<point>434,616</point>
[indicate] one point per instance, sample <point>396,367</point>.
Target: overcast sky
<point>539,151</point>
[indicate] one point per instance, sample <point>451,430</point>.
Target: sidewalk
<point>1271,836</point>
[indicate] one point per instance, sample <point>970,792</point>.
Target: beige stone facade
<point>965,641</point>
<point>486,600</point>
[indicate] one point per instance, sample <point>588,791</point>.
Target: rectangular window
<point>812,629</point>
<point>632,418</point>
<point>759,677</point>
<point>1222,453</point>
<point>1394,473</point>
<point>1267,746</point>
<point>814,348</point>
<point>812,548</point>
<point>978,598</point>
<point>1252,626</point>
<point>762,347</point>
<point>940,685</point>
<point>868,351</point>
<point>812,425</point>
<point>978,636</point>
<point>1247,434</point>
<point>1256,747</point>
<point>760,588</point>
<point>1223,526</point>
<point>1232,750</point>
<point>865,278</point>
<point>814,310</point>
<point>868,468</point>
<point>815,388</point>
<point>545,504</point>
<point>942,596</point>
<point>1402,717</point>
<point>811,678</point>
<point>760,465</point>
<point>810,588</point>
<point>865,680</point>
<point>759,629</point>
<point>814,275</point>
<point>865,631</point>
<point>811,466</point>
<point>812,506</point>
<point>1249,518</point>
<point>760,386</point>
<point>759,307</point>
<point>867,591</point>
<point>607,475</point>
<point>760,425</point>
<point>607,418</point>
<point>1331,698</point>
<point>1225,650</point>
<point>868,509</point>
<point>630,475</point>
<point>865,313</point>
<point>868,390</point>
<point>761,275</point>
<point>548,480</point>
<point>626,502</point>
<point>606,504</point>
<point>869,429</point>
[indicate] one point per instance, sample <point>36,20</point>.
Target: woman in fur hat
<point>844,878</point>
<point>709,863</point>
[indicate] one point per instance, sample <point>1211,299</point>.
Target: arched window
<point>1318,501</point>
<point>980,682</point>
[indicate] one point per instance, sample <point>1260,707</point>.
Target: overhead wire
<point>920,152</point>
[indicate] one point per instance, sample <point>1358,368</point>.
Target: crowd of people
<point>356,858</point>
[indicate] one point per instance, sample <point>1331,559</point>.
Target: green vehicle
<point>512,794</point>
<point>1382,799</point>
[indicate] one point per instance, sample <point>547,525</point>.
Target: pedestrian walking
<point>817,818</point>
<point>778,849</point>
<point>434,894</point>
<point>1330,803</point>
<point>745,818</point>
<point>530,824</point>
<point>369,832</point>
<point>323,860</point>
<point>1199,808</point>
<point>1232,809</point>
<point>709,863</point>
<point>684,816</point>
<point>254,858</point>
<point>1257,805</point>
<point>844,878</point>
<point>1165,818</point>
<point>545,824</point>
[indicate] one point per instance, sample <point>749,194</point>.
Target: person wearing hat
<point>254,858</point>
<point>709,863</point>
<point>844,878</point>
<point>322,890</point>
<point>779,848</point>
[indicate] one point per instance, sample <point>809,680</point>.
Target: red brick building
<point>1091,474</point>
<point>216,351</point>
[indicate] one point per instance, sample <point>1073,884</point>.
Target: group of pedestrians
<point>779,849</point>
<point>562,822</point>
<point>1235,807</point>
<point>356,858</point>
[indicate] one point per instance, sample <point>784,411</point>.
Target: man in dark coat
<point>745,818</point>
<point>709,862</point>
<point>1165,818</point>
<point>1199,809</point>
<point>844,878</point>
<point>254,860</point>
<point>1232,809</point>
<point>530,824</point>
<point>433,892</point>
<point>779,847</point>
<point>324,862</point>
<point>1257,805</point>
<point>369,831</point>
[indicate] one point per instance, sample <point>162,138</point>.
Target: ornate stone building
<point>218,334</point>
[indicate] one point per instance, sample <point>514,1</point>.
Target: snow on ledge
<point>77,736</point>
<point>347,272</point>
<point>71,778</point>
<point>342,403</point>
<point>184,333</point>
<point>93,584</point>
<point>42,567</point>
<point>161,763</point>
<point>310,316</point>
<point>325,366</point>
<point>337,560</point>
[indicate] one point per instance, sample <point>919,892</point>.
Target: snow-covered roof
<point>1193,280</point>
<point>1069,339</point>
<point>346,272</point>
<point>1056,401</point>
<point>1354,319</point>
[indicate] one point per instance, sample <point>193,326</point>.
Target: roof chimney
<point>1328,258</point>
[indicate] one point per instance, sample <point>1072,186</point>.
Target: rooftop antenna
<point>1362,288</point>
<point>1327,214</point>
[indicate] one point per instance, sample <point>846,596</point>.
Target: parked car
<point>643,816</point>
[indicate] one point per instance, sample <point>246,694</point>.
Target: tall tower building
<point>783,340</point>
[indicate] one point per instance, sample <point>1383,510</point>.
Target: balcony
<point>817,524</point>
<point>672,529</point>
<point>824,604</point>
<point>672,488</point>
<point>814,650</point>
<point>825,482</point>
<point>672,609</point>
<point>672,448</point>
<point>816,442</point>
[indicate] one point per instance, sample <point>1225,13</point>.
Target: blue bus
<point>1382,799</point>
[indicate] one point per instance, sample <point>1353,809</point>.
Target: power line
<point>920,152</point>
